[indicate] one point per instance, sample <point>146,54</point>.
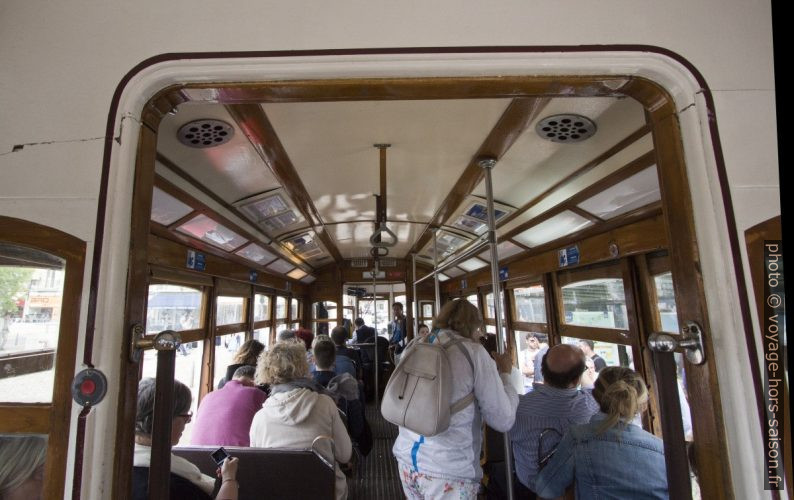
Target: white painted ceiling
<point>331,147</point>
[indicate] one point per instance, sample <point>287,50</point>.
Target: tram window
<point>401,299</point>
<point>281,308</point>
<point>529,344</point>
<point>30,314</point>
<point>173,307</point>
<point>294,309</point>
<point>261,307</point>
<point>683,397</point>
<point>226,347</point>
<point>611,354</point>
<point>426,312</point>
<point>263,335</point>
<point>530,304</point>
<point>473,300</point>
<point>489,310</point>
<point>665,302</point>
<point>597,302</point>
<point>230,310</point>
<point>187,370</point>
<point>323,317</point>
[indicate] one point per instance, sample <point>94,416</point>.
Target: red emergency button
<point>87,387</point>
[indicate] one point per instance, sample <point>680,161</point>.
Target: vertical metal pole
<point>376,367</point>
<point>416,299</point>
<point>435,270</point>
<point>487,164</point>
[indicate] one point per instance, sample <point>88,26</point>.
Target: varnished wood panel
<point>26,419</point>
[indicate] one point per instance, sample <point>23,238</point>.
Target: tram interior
<point>265,216</point>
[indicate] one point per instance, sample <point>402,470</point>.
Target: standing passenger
<point>397,331</point>
<point>447,465</point>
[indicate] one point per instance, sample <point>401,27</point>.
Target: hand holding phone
<point>219,456</point>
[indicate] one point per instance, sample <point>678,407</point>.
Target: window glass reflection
<point>30,315</point>
<point>172,307</point>
<point>530,304</point>
<point>230,310</point>
<point>530,345</point>
<point>599,302</point>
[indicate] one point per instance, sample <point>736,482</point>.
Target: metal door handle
<point>691,340</point>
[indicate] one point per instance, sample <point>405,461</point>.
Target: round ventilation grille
<point>205,133</point>
<point>566,128</point>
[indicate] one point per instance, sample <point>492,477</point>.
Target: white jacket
<point>455,453</point>
<point>294,419</point>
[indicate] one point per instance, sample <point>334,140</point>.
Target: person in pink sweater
<point>224,415</point>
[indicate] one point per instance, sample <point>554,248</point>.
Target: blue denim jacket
<point>624,462</point>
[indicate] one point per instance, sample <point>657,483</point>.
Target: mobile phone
<point>219,456</point>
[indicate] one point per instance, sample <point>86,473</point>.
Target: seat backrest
<point>271,473</point>
<point>343,364</point>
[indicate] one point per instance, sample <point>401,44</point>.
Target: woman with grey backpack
<point>439,452</point>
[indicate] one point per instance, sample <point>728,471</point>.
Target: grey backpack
<point>419,391</point>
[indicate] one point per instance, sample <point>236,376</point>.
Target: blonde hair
<point>248,353</point>
<point>283,363</point>
<point>621,393</point>
<point>460,316</point>
<point>20,456</point>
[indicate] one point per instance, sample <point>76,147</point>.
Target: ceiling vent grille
<point>389,262</point>
<point>362,263</point>
<point>566,128</point>
<point>205,133</point>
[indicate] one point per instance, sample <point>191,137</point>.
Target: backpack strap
<point>447,341</point>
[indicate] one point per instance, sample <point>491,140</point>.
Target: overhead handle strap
<point>377,240</point>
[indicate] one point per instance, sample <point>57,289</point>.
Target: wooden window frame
<point>52,419</point>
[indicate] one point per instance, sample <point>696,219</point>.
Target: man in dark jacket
<point>363,332</point>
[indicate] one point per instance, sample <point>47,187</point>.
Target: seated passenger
<point>324,356</point>
<point>448,464</point>
<point>609,457</point>
<point>22,467</point>
<point>363,332</point>
<point>287,336</point>
<point>422,330</point>
<point>224,415</point>
<point>247,354</point>
<point>186,480</point>
<point>556,404</point>
<point>295,414</point>
<point>307,337</point>
<point>339,336</point>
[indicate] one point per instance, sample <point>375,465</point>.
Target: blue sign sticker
<point>252,275</point>
<point>200,262</point>
<point>464,283</point>
<point>503,273</point>
<point>569,256</point>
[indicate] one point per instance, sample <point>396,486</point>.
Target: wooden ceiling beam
<point>256,126</point>
<point>516,119</point>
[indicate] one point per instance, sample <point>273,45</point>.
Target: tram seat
<point>271,473</point>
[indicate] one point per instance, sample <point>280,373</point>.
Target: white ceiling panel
<point>331,146</point>
<point>638,190</point>
<point>558,226</point>
<point>534,163</point>
<point>233,170</point>
<point>352,239</point>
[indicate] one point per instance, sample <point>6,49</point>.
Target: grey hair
<point>286,335</point>
<point>244,371</point>
<point>284,362</point>
<point>20,456</point>
<point>144,416</point>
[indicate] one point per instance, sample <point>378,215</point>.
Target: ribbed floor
<point>377,477</point>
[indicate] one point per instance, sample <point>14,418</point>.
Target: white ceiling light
<point>281,266</point>
<point>296,273</point>
<point>166,209</point>
<point>558,226</point>
<point>271,210</point>
<point>472,264</point>
<point>212,232</point>
<point>504,250</point>
<point>255,253</point>
<point>636,191</point>
<point>308,279</point>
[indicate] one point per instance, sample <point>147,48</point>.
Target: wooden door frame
<point>678,220</point>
